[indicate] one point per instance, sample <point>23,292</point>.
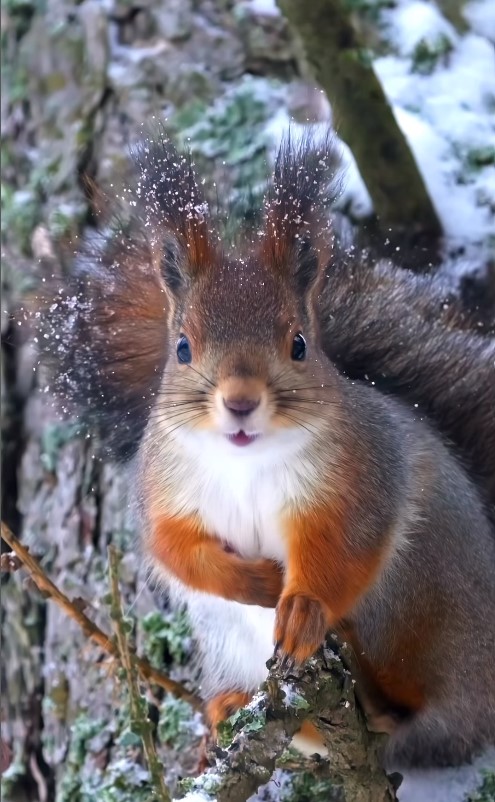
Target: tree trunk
<point>365,121</point>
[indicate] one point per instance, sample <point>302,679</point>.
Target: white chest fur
<point>241,493</point>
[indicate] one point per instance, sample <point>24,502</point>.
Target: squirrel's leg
<point>324,579</point>
<point>183,547</point>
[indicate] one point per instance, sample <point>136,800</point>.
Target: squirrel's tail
<point>413,338</point>
<point>103,336</point>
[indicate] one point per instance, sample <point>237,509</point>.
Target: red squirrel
<point>267,478</point>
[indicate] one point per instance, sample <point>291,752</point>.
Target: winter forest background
<point>411,85</point>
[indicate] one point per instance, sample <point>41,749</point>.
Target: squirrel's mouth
<point>241,438</point>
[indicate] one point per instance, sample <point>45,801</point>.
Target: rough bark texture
<point>322,691</point>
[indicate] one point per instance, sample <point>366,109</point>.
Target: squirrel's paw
<point>300,626</point>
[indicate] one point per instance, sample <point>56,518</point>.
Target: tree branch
<point>90,629</point>
<point>321,691</point>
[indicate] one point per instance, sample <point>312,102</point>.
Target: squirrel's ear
<point>297,237</point>
<point>173,211</point>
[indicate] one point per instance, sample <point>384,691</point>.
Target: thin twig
<point>91,630</point>
<point>140,723</point>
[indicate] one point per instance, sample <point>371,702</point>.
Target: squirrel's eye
<point>183,350</point>
<point>298,347</point>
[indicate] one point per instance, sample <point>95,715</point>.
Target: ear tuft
<point>297,235</point>
<point>174,212</point>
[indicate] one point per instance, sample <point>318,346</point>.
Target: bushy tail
<point>104,328</point>
<point>413,338</point>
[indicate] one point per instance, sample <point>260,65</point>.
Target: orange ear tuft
<point>199,251</point>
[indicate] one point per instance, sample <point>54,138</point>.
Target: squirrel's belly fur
<point>234,640</point>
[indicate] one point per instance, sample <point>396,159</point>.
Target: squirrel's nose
<point>241,406</point>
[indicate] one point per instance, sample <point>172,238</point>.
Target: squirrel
<point>270,476</point>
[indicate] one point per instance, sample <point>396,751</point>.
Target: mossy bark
<point>323,692</point>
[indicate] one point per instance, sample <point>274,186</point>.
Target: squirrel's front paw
<point>300,626</point>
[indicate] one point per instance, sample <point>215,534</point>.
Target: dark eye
<point>298,348</point>
<point>183,350</point>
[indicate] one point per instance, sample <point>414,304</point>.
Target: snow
<point>267,8</point>
<point>481,17</point>
<point>445,785</point>
<point>441,85</point>
<point>414,21</point>
<point>446,111</point>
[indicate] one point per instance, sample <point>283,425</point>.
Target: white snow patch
<point>267,8</point>
<point>447,117</point>
<point>417,21</point>
<point>481,16</point>
<point>445,785</point>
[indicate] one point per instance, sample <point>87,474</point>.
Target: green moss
<point>21,212</point>
<point>82,731</point>
<point>185,785</point>
<point>305,787</point>
<point>368,9</point>
<point>486,792</point>
<point>230,143</point>
<point>19,13</point>
<point>167,637</point>
<point>176,726</point>
<point>12,779</point>
<point>244,719</point>
<point>54,438</point>
<point>188,115</point>
<point>481,157</point>
<point>16,82</point>
<point>427,54</point>
<point>123,781</point>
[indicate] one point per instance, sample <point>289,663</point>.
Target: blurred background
<point>410,87</point>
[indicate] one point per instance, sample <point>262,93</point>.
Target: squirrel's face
<point>246,363</point>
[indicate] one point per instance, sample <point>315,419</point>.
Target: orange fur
<point>324,580</point>
<point>199,561</point>
<point>201,255</point>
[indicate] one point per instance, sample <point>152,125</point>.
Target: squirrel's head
<point>244,357</point>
